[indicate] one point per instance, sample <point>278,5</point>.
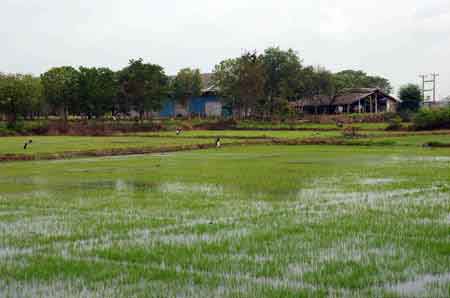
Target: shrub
<point>427,119</point>
<point>388,116</point>
<point>17,126</point>
<point>350,132</point>
<point>394,123</point>
<point>406,115</point>
<point>185,125</point>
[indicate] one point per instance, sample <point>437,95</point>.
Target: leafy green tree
<point>20,95</point>
<point>242,82</point>
<point>359,79</point>
<point>283,72</point>
<point>187,84</point>
<point>323,83</point>
<point>251,83</point>
<point>61,89</point>
<point>98,88</point>
<point>411,97</point>
<point>143,86</point>
<point>226,79</point>
<point>34,95</point>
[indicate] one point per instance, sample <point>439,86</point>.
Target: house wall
<point>391,106</point>
<point>210,106</point>
<point>168,109</point>
<point>213,108</point>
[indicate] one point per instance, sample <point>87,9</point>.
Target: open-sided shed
<point>360,100</point>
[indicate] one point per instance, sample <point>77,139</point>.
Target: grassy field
<point>308,126</point>
<point>58,144</point>
<point>245,134</point>
<point>253,221</point>
<point>411,140</point>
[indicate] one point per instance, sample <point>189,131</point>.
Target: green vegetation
<point>262,84</point>
<point>168,139</point>
<point>409,140</point>
<point>432,119</point>
<point>248,124</point>
<point>252,85</point>
<point>52,144</point>
<point>411,97</point>
<point>19,96</point>
<point>253,221</point>
<point>187,83</point>
<point>246,134</point>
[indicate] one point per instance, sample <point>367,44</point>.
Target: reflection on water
<point>123,187</point>
<point>376,181</point>
<point>179,188</point>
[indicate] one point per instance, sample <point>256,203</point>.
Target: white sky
<point>398,39</point>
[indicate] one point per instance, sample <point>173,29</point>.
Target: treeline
<point>263,84</point>
<point>90,92</point>
<point>251,84</point>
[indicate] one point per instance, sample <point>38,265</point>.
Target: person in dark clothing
<point>218,144</point>
<point>25,146</point>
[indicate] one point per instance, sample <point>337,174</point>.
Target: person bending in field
<point>178,131</point>
<point>218,144</point>
<point>27,143</point>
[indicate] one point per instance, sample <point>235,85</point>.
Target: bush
<point>388,116</point>
<point>5,132</point>
<point>406,115</point>
<point>17,126</point>
<point>428,119</point>
<point>394,123</point>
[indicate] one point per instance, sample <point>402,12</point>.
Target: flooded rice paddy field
<point>254,221</point>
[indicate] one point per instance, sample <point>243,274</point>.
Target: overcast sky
<point>397,39</point>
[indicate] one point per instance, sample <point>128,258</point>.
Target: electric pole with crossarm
<point>433,81</point>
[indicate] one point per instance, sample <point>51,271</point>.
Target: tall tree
<point>283,71</point>
<point>97,90</point>
<point>143,86</point>
<point>61,89</point>
<point>242,81</point>
<point>359,79</point>
<point>323,83</point>
<point>226,79</point>
<point>251,83</point>
<point>187,84</point>
<point>20,95</point>
<point>411,97</point>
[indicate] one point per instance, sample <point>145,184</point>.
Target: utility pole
<point>425,80</point>
<point>434,76</point>
<point>423,77</point>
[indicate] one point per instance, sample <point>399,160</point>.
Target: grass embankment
<point>59,147</point>
<point>106,128</point>
<point>53,147</point>
<point>252,125</point>
<point>254,221</point>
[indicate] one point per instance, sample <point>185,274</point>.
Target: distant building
<point>208,104</point>
<point>357,100</point>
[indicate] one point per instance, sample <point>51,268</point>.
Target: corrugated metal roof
<point>315,101</point>
<point>350,98</point>
<point>345,97</point>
